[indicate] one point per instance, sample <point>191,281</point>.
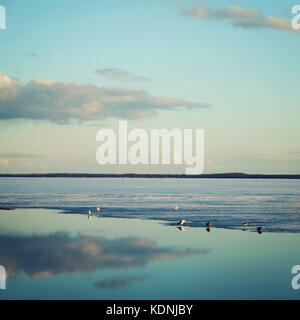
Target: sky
<point>71,67</point>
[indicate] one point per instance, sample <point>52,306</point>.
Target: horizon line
<point>150,175</point>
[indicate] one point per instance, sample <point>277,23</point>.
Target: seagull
<point>176,208</point>
<point>208,224</point>
<point>259,230</point>
<point>245,223</point>
<point>98,209</point>
<point>181,222</point>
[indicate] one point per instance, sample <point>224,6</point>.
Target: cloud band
<point>60,102</point>
<point>240,17</point>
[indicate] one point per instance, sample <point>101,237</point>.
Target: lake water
<point>52,249</point>
<point>48,255</point>
<point>226,203</point>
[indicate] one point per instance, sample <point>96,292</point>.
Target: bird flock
<point>208,224</point>
<point>182,221</point>
<point>90,213</point>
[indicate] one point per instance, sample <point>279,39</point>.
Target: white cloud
<point>239,17</point>
<point>119,75</point>
<point>60,102</point>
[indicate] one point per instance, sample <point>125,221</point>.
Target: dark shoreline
<point>135,175</point>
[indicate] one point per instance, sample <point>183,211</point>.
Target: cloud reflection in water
<point>42,256</point>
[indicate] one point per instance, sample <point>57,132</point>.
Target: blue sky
<point>249,76</point>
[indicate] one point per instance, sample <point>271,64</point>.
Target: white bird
<point>90,212</point>
<point>176,208</point>
<point>98,209</point>
<point>181,222</point>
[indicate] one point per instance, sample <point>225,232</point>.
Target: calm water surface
<point>272,204</point>
<point>48,255</point>
<point>135,250</point>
